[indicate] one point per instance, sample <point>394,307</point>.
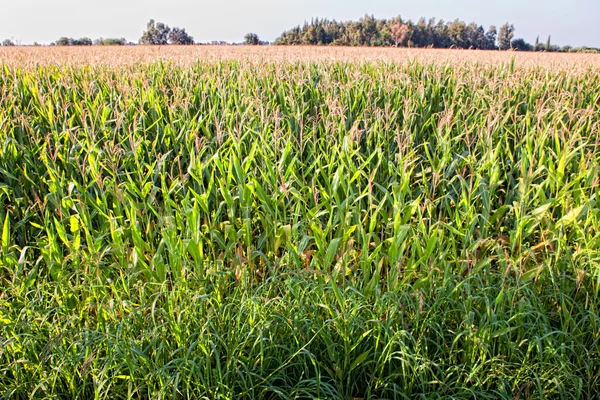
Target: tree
<point>8,42</point>
<point>252,39</point>
<point>538,46</point>
<point>400,33</point>
<point>110,42</point>
<point>457,30</point>
<point>491,36</point>
<point>549,43</point>
<point>64,41</point>
<point>505,36</point>
<point>81,42</point>
<point>521,45</point>
<point>180,36</point>
<point>370,31</point>
<point>155,34</point>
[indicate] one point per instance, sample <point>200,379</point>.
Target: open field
<point>281,223</point>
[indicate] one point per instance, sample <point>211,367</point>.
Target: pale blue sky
<point>575,22</point>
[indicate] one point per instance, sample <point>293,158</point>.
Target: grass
<point>308,229</point>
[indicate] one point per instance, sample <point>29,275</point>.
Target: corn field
<point>292,229</point>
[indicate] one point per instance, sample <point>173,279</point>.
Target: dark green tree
<point>252,39</point>
<point>84,41</point>
<point>64,41</point>
<point>370,31</point>
<point>505,36</point>
<point>110,42</point>
<point>521,45</point>
<point>538,46</point>
<point>155,34</point>
<point>180,36</point>
<point>491,37</point>
<point>8,42</point>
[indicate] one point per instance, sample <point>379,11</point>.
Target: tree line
<point>432,33</point>
<point>367,31</point>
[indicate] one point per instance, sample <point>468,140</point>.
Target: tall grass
<point>328,230</point>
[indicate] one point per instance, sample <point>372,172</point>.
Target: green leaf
<point>359,360</point>
<point>331,250</point>
<point>5,235</point>
<point>571,216</point>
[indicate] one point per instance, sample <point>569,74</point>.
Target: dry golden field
<point>191,54</point>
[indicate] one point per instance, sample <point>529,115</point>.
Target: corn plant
<point>311,229</point>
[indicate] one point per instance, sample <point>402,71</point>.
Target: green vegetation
<point>308,230</point>
<point>371,31</point>
<point>161,34</point>
<point>367,31</point>
<point>252,39</point>
<point>65,41</point>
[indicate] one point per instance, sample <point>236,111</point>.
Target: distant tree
<point>505,36</point>
<point>566,49</point>
<point>180,36</point>
<point>400,33</point>
<point>84,41</point>
<point>457,34</point>
<point>64,41</point>
<point>538,46</point>
<point>252,39</point>
<point>491,36</point>
<point>554,48</point>
<point>8,42</point>
<point>155,33</point>
<point>115,42</point>
<point>521,45</point>
<point>549,43</point>
<point>110,42</point>
<point>586,49</point>
<point>475,37</point>
<point>370,31</point>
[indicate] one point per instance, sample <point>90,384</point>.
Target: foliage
<point>8,42</point>
<point>161,34</point>
<point>155,34</point>
<point>110,42</point>
<point>505,36</point>
<point>521,45</point>
<point>180,37</point>
<point>252,39</point>
<point>399,33</point>
<point>369,31</point>
<point>333,230</point>
<point>65,41</point>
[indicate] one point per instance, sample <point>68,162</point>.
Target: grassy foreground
<point>240,230</point>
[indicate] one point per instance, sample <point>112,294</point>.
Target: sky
<point>573,22</point>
